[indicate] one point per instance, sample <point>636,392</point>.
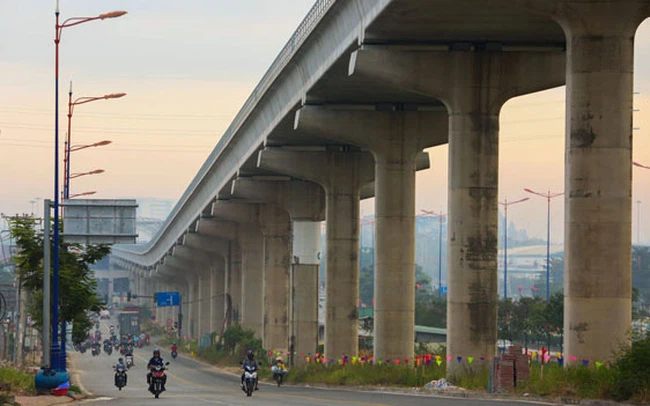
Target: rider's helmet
<point>249,354</point>
<point>156,352</point>
<point>279,359</point>
<point>121,359</point>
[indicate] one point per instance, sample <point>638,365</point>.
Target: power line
<point>49,143</point>
<point>116,149</point>
<point>143,116</point>
<point>139,131</point>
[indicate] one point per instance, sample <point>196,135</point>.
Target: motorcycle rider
<point>120,364</point>
<point>128,352</point>
<point>155,361</point>
<point>278,366</point>
<point>249,361</point>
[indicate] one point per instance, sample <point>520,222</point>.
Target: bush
<point>574,381</point>
<point>632,379</point>
<point>237,340</point>
<point>18,381</point>
<point>398,375</point>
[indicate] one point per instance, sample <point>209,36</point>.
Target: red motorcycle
<point>157,378</point>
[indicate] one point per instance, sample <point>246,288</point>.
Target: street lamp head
<point>112,14</point>
<point>96,172</point>
<point>102,143</point>
<point>114,95</point>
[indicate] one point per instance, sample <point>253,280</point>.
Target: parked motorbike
<point>120,377</point>
<point>157,376</point>
<point>250,377</point>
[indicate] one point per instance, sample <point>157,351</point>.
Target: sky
<point>187,67</point>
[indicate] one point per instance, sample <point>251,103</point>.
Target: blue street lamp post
<point>548,196</point>
<point>505,205</point>
<point>57,362</point>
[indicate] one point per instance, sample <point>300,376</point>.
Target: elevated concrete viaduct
<point>371,83</point>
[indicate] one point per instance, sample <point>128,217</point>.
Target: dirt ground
<point>42,400</point>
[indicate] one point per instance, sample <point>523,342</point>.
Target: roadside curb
<point>77,377</point>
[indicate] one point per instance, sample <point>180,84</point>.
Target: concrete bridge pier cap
<point>341,174</point>
<point>395,138</point>
<point>474,84</point>
<point>305,203</point>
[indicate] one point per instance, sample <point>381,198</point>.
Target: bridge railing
<point>314,16</point>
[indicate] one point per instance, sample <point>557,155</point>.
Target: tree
<point>366,285</point>
<point>556,276</point>
<point>77,287</point>
<point>641,272</point>
<point>423,287</point>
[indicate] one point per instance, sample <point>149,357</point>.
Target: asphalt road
<point>193,383</point>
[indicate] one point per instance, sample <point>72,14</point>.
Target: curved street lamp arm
<point>507,203</point>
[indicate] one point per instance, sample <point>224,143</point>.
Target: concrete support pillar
<point>305,203</point>
<point>234,284</point>
<point>217,284</point>
<point>341,174</point>
<point>205,301</point>
<point>192,307</point>
<point>476,85</point>
<point>251,241</point>
<point>276,229</point>
<point>172,278</point>
<point>252,297</point>
<point>598,175</point>
<point>214,255</point>
<point>397,139</point>
<point>304,286</point>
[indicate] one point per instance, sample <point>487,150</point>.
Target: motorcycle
<point>96,350</point>
<point>129,361</point>
<point>157,374</point>
<point>278,374</point>
<point>82,348</point>
<point>108,349</point>
<point>250,377</point>
<point>120,377</point>
<point>174,354</point>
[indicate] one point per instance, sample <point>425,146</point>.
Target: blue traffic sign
<point>443,289</point>
<point>166,299</point>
